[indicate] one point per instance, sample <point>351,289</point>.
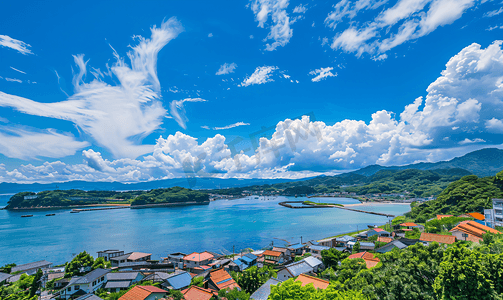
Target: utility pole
<point>301,239</point>
<point>232,249</point>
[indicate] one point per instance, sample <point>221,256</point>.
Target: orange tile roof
<point>408,224</point>
<point>317,282</point>
<point>439,238</point>
<point>384,239</point>
<point>477,216</point>
<point>222,279</point>
<point>440,217</point>
<point>369,258</point>
<point>272,253</point>
<point>141,292</point>
<point>196,256</point>
<point>474,228</point>
<point>197,293</point>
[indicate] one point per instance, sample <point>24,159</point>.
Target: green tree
<point>79,262</point>
<point>331,257</point>
<point>291,290</point>
<point>197,281</point>
<point>35,285</point>
<point>176,294</point>
<point>101,263</point>
<point>356,247</point>
<point>234,294</point>
<point>253,278</point>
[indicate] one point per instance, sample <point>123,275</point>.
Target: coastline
<point>375,203</point>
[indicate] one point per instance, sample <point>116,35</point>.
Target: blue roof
<point>366,244</point>
<point>265,290</point>
<point>238,261</point>
<point>248,258</point>
<point>180,281</point>
<point>296,246</point>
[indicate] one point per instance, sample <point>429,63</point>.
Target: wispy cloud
<point>226,69</point>
<point>177,110</point>
<point>300,9</point>
<point>260,76</point>
<point>18,70</point>
<point>20,46</point>
<point>322,74</point>
<point>280,30</point>
<point>232,126</point>
<point>493,13</point>
<point>210,34</point>
<point>13,80</point>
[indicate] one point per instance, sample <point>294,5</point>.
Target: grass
<point>316,203</point>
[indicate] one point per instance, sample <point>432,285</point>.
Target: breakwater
<point>286,204</point>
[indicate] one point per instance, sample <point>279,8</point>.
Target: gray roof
<point>345,238</point>
<point>157,276</point>
<point>299,267</point>
<point>265,290</point>
<point>118,284</point>
<point>312,261</point>
<point>15,277</point>
<point>390,246</point>
<point>4,276</point>
<point>318,247</point>
<point>122,276</point>
<point>366,244</point>
<point>122,257</point>
<point>89,297</point>
<point>109,251</point>
<point>33,265</point>
<point>89,277</point>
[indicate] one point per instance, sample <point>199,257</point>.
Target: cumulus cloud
<point>210,34</point>
<point>468,141</point>
<point>177,110</point>
<point>117,116</point>
<point>20,46</point>
<point>415,19</point>
<point>226,69</point>
<point>232,126</point>
<point>322,74</point>
<point>280,30</point>
<point>260,76</point>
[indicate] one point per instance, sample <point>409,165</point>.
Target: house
<point>384,239</point>
<point>4,277</point>
<point>410,225</point>
<point>390,246</point>
<point>147,292</point>
<point>369,258</point>
<point>122,280</point>
<point>129,259</point>
<point>197,293</point>
<point>50,275</point>
<point>273,257</point>
<point>378,232</point>
<point>362,235</point>
<point>61,283</point>
<point>176,259</point>
<point>297,249</point>
<point>177,281</point>
<point>363,245</point>
<point>343,241</point>
<point>264,291</point>
<point>471,231</point>
<point>219,279</point>
<point>329,242</point>
<point>315,250</point>
<point>107,254</point>
<point>31,268</point>
<point>439,238</point>
<point>440,217</point>
<point>86,284</point>
<point>315,263</point>
<point>294,270</point>
<point>197,259</point>
<point>286,252</point>
<point>89,297</point>
<point>220,263</point>
<point>242,263</point>
<point>316,282</point>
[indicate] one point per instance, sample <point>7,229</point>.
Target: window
<point>69,289</point>
<point>77,287</point>
<point>94,282</point>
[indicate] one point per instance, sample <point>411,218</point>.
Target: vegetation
<point>331,257</point>
<point>63,198</point>
<point>253,278</point>
<point>20,290</point>
<point>79,265</point>
<point>7,268</point>
<point>316,203</point>
<point>233,294</point>
<point>469,194</point>
<point>293,290</point>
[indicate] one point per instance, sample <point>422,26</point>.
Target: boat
<point>74,212</point>
<point>26,216</point>
<point>48,215</point>
<point>372,226</point>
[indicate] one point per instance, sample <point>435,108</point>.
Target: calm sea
<point>242,223</point>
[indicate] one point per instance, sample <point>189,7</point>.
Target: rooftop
<point>318,247</point>
<point>439,238</point>
<point>299,267</point>
<point>477,216</point>
<point>272,253</point>
<point>384,239</point>
<point>197,257</point>
<point>370,260</point>
<point>296,246</point>
<point>122,276</point>
<point>265,290</point>
<point>316,282</point>
<point>141,292</point>
<point>4,276</point>
<point>312,261</point>
<point>345,238</point>
<point>89,277</point>
<point>440,217</point>
<point>131,256</point>
<point>89,297</point>
<point>408,224</point>
<point>222,279</point>
<point>180,280</point>
<point>474,228</point>
<point>118,284</point>
<point>197,293</point>
<point>109,251</point>
<point>29,266</point>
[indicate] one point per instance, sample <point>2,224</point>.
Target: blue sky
<point>135,91</point>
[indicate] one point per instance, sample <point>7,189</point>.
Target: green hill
<point>469,194</point>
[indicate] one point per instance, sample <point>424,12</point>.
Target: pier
<point>286,204</point>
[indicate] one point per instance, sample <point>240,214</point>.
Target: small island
<point>79,198</point>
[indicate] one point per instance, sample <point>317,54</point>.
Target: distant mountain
<point>484,162</point>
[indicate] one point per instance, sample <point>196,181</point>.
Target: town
<point>310,267</point>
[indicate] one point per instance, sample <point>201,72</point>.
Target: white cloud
<point>322,74</point>
<point>494,125</point>
<point>494,27</point>
<point>13,80</point>
<point>474,141</point>
<point>226,69</point>
<point>117,116</point>
<point>300,9</point>
<point>349,9</point>
<point>177,110</point>
<point>20,46</point>
<point>18,70</point>
<point>493,13</point>
<point>210,35</point>
<point>280,30</point>
<point>231,126</point>
<point>260,76</point>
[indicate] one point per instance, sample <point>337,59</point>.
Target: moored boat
<point>48,215</point>
<point>26,216</point>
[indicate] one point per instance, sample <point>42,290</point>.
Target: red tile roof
<point>317,283</point>
<point>197,293</point>
<point>439,238</point>
<point>369,258</point>
<point>272,253</point>
<point>384,239</point>
<point>195,256</point>
<point>408,224</point>
<point>222,280</point>
<point>141,292</point>
<point>378,229</point>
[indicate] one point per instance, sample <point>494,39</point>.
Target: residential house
<point>315,250</point>
<point>122,280</point>
<point>390,246</point>
<point>219,279</point>
<point>197,293</point>
<point>497,212</point>
<point>130,259</point>
<point>224,262</point>
<point>48,276</point>
<point>61,283</point>
<point>294,270</point>
<point>31,268</point>
<point>89,297</point>
<point>264,291</point>
<point>242,263</point>
<point>86,284</point>
<point>410,225</point>
<point>297,249</point>
<point>107,254</point>
<point>369,258</point>
<point>471,231</point>
<point>197,259</point>
<point>273,257</point>
<point>378,232</point>
<point>329,242</point>
<point>316,282</point>
<point>439,238</point>
<point>15,278</point>
<point>147,292</point>
<point>409,242</point>
<point>176,259</point>
<point>363,245</point>
<point>384,239</point>
<point>285,251</point>
<point>315,263</point>
<point>343,241</point>
<point>362,235</point>
<point>177,281</point>
<point>4,277</point>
